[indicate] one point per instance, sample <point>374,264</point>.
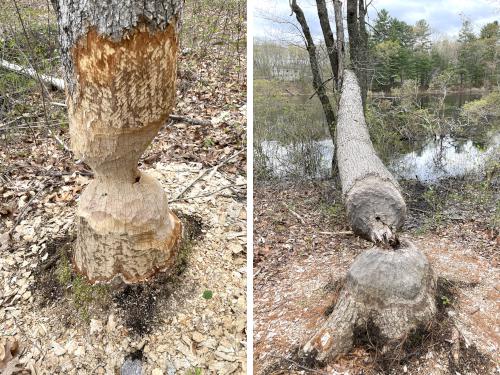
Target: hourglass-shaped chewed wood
<point>120,70</point>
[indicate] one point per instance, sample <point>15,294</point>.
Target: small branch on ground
<point>207,194</point>
<point>295,214</point>
<point>189,120</point>
<point>203,173</point>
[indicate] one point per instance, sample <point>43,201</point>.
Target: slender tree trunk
<point>337,6</point>
<point>358,43</point>
<point>329,40</point>
<point>316,72</point>
<point>119,59</point>
<point>375,206</point>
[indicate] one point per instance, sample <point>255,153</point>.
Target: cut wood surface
<point>392,290</point>
<point>120,70</point>
<point>375,206</point>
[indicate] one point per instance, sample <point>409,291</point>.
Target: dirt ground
<point>302,247</point>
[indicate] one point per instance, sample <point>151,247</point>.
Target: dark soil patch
<point>138,305</point>
<point>47,287</point>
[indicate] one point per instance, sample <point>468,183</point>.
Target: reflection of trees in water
<point>439,159</point>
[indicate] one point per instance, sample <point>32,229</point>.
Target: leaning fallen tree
<point>57,83</point>
<point>374,204</point>
<point>389,288</point>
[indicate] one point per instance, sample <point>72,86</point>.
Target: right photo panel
<point>376,143</point>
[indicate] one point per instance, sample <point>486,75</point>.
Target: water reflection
<point>445,158</point>
<point>436,160</point>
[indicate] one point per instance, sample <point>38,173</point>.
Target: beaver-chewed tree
<point>390,288</point>
<point>119,59</point>
<point>375,206</point>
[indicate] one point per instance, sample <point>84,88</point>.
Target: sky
<point>444,16</point>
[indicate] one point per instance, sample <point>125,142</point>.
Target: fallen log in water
<point>375,206</point>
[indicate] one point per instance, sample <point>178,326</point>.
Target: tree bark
<point>339,25</point>
<point>358,43</point>
<point>313,60</point>
<point>375,206</point>
<point>331,48</point>
<point>393,290</point>
<point>119,60</point>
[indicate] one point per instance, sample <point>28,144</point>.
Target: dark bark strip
<point>313,59</point>
<point>358,43</point>
<point>337,6</point>
<point>331,48</point>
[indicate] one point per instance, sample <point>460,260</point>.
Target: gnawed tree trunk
<point>119,59</point>
<point>392,290</point>
<point>374,204</point>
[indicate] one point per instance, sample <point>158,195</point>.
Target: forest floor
<point>303,247</point>
<point>192,321</point>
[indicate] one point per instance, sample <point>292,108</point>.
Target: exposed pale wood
<point>375,206</point>
<point>391,289</point>
<point>119,59</point>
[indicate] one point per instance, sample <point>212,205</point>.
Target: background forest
<point>418,84</point>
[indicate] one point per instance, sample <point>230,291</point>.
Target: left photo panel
<point>123,220</point>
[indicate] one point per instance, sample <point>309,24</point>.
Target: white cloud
<point>444,16</point>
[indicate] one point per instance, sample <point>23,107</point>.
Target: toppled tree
<point>119,60</point>
<point>375,206</point>
<point>391,289</point>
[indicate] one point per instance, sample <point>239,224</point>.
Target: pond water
<point>428,162</point>
<point>436,160</point>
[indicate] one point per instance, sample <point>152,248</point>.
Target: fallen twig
<point>295,214</point>
<point>298,364</point>
<point>342,232</point>
<point>203,173</point>
<point>207,194</point>
<point>189,120</point>
<point>58,83</point>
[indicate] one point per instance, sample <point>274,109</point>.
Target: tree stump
<point>393,290</point>
<point>375,206</point>
<point>120,71</point>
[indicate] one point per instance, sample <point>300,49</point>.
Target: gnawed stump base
<point>393,290</point>
<point>126,231</point>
